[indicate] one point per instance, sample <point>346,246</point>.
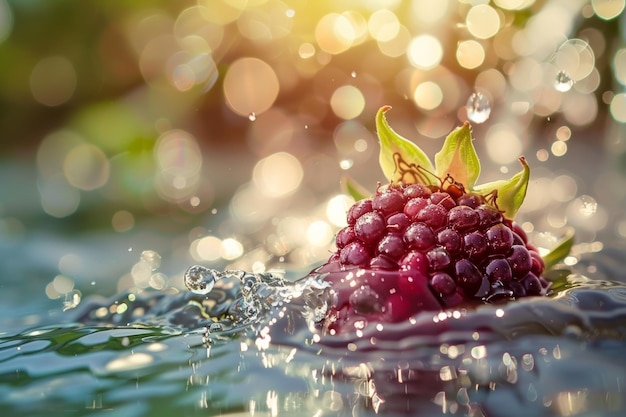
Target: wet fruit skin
<point>413,248</point>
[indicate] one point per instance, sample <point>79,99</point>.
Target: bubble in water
<point>478,108</point>
<point>252,116</point>
<point>563,82</point>
<point>200,280</point>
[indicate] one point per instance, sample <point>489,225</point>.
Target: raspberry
<point>429,244</point>
<point>436,253</point>
<point>370,227</point>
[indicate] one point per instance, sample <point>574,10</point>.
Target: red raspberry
<point>430,239</point>
<point>442,254</point>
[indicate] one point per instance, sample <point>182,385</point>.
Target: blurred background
<point>140,137</point>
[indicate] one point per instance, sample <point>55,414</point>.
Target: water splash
<point>260,294</point>
<point>478,108</point>
<point>563,82</point>
<point>201,280</point>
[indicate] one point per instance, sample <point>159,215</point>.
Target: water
<point>478,108</point>
<point>247,344</point>
<point>563,82</point>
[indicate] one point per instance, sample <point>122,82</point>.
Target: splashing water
<point>260,293</point>
<point>478,108</point>
<point>563,82</point>
<point>201,280</point>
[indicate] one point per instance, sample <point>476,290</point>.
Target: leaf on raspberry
<point>457,158</point>
<point>510,193</point>
<point>561,250</point>
<point>353,189</point>
<point>400,159</point>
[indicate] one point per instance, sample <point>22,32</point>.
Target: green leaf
<point>457,158</point>
<point>509,193</point>
<point>561,250</point>
<point>400,159</point>
<point>353,189</point>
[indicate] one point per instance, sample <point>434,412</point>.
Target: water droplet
<point>353,74</point>
<point>306,126</point>
<point>252,116</point>
<point>588,206</point>
<point>200,280</point>
<point>346,164</point>
<point>248,284</point>
<point>563,82</point>
<point>478,108</point>
<point>216,327</point>
<point>365,300</point>
<point>72,299</point>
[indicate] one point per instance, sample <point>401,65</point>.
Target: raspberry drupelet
<point>430,239</point>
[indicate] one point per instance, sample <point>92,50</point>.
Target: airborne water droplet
<point>200,280</point>
<point>478,108</point>
<point>563,82</point>
<point>588,206</point>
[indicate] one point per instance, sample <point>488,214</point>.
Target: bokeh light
<point>483,21</point>
<point>337,209</point>
<point>503,144</point>
<point>428,95</point>
<point>608,9</point>
<point>347,102</point>
<point>429,12</point>
<point>250,86</point>
<point>58,197</point>
<point>425,52</point>
<point>53,81</point>
<point>6,20</point>
<point>86,167</point>
<point>383,25</point>
<point>470,54</point>
<point>179,161</point>
<point>335,33</point>
<point>618,107</point>
<point>619,66</point>
<point>278,175</point>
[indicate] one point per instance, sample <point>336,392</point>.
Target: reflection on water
<point>251,346</point>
